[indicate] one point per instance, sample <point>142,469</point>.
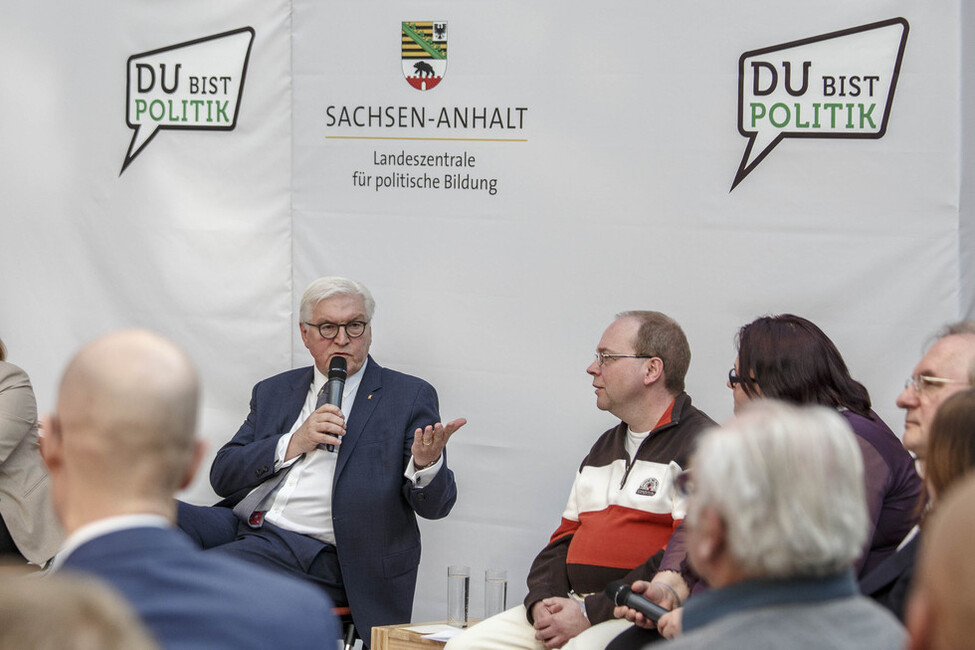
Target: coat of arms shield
<point>424,53</point>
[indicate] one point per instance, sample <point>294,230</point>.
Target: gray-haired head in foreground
<point>333,285</point>
<point>788,483</point>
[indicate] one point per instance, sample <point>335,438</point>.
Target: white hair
<point>333,285</point>
<point>961,328</point>
<point>788,483</point>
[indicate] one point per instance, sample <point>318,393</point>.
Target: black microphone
<point>621,594</point>
<point>335,385</point>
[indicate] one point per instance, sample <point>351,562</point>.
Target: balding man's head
<point>939,614</point>
<point>126,420</point>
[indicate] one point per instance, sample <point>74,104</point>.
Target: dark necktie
<point>252,507</point>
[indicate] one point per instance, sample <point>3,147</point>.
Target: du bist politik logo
<point>836,85</point>
<point>194,85</point>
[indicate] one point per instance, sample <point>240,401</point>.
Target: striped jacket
<point>620,514</point>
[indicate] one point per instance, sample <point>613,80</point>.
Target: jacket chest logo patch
<point>648,488</point>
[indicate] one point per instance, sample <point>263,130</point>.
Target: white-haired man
<point>344,519</point>
<point>948,367</point>
<point>777,516</point>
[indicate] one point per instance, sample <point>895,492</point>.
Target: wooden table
<point>397,637</point>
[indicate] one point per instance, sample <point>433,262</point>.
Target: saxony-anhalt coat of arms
<point>424,53</point>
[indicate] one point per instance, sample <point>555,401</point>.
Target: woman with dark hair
<point>789,358</point>
<point>951,457</point>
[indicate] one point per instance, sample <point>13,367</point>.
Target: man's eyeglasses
<point>603,357</point>
<point>925,384</point>
<point>684,483</point>
<point>733,378</point>
<point>353,329</point>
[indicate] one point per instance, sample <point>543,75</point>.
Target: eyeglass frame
<point>922,382</point>
<point>602,356</point>
<point>734,378</point>
<point>338,327</point>
<point>684,483</point>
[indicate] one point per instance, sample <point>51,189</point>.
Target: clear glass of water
<point>458,594</point>
<point>495,591</point>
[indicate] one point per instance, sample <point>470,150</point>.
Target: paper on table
<point>427,629</point>
<point>431,628</point>
<point>438,632</point>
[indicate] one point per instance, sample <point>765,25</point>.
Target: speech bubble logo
<point>838,85</point>
<point>196,85</point>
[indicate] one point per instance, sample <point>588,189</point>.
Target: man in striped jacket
<point>623,505</point>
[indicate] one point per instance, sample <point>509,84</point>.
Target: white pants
<point>511,629</point>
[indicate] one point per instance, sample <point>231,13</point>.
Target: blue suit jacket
<point>192,599</point>
<point>374,507</point>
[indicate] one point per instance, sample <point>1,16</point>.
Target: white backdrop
<point>613,195</point>
<point>193,239</point>
<point>617,199</point>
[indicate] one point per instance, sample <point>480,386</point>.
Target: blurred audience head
<point>66,612</point>
<point>777,493</point>
<point>951,443</point>
<point>123,436</point>
<point>941,611</point>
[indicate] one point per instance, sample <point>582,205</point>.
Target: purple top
<point>893,488</point>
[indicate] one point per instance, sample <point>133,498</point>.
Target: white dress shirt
<point>303,502</point>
